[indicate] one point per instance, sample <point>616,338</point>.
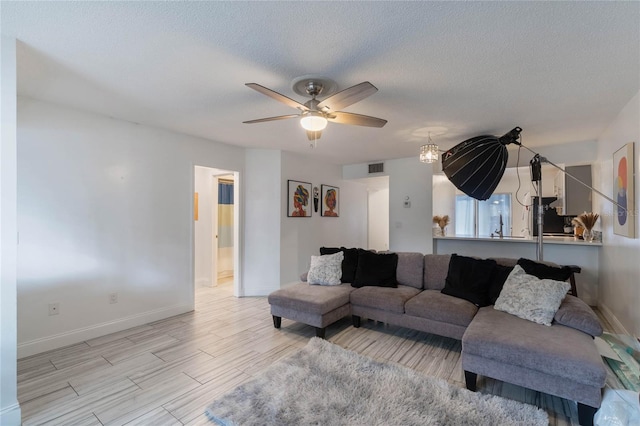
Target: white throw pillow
<point>531,298</point>
<point>326,270</point>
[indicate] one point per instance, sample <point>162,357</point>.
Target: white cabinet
<point>573,197</point>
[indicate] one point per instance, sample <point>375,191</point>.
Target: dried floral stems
<point>586,220</point>
<point>442,221</point>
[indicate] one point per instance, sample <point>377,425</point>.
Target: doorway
<point>215,230</point>
<point>223,227</point>
<point>377,211</point>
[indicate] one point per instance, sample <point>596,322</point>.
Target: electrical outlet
<point>54,308</point>
<point>113,298</point>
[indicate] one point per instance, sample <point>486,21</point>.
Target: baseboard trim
<point>72,337</point>
<point>10,415</point>
<point>203,282</point>
<point>606,312</point>
<point>225,274</point>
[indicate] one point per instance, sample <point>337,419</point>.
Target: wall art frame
<point>330,196</point>
<point>624,221</point>
<point>299,198</point>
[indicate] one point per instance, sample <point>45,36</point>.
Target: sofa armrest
<point>574,313</point>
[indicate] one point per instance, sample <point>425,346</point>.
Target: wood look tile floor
<point>167,372</point>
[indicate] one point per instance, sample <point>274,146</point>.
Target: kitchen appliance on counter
<point>552,222</point>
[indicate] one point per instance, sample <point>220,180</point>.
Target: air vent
<point>376,168</point>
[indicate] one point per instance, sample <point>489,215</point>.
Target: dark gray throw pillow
<point>376,269</point>
<point>499,276</point>
<point>469,278</point>
<point>543,271</point>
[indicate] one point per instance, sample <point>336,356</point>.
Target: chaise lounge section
<point>317,306</point>
<point>558,360</point>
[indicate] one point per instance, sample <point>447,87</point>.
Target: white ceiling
<point>560,70</point>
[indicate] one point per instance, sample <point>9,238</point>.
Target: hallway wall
<point>104,206</point>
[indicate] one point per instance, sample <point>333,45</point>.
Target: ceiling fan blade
<point>348,97</point>
<point>314,136</point>
<point>280,117</point>
<point>356,119</point>
<point>277,96</point>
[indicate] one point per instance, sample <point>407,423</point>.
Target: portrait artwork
<point>330,196</point>
<point>299,199</point>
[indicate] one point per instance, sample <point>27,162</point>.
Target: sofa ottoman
<point>555,359</point>
<point>314,305</point>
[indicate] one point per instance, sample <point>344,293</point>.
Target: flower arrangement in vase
<point>442,222</point>
<point>586,221</point>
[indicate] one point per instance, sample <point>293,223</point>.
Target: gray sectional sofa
<point>560,359</point>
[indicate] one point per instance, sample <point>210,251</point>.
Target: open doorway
<point>377,212</point>
<point>215,230</point>
<point>223,225</point>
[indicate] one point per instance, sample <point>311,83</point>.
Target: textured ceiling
<point>560,70</point>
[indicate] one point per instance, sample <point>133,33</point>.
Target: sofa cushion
<point>574,313</point>
<point>376,269</point>
<point>311,298</point>
<point>436,267</point>
<point>384,298</point>
<point>545,270</point>
<point>531,298</point>
<point>434,305</point>
<point>349,263</point>
<point>469,278</point>
<point>410,269</point>
<point>557,350</point>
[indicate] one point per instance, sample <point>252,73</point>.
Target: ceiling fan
<point>314,114</point>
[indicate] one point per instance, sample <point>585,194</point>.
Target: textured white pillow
<point>531,298</point>
<point>326,270</point>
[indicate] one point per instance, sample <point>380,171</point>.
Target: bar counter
<point>560,250</point>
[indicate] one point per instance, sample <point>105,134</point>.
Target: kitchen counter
<point>560,250</point>
<point>534,240</point>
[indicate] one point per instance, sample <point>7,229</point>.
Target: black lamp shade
<point>476,165</point>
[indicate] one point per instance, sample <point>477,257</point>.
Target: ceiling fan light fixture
<point>313,121</point>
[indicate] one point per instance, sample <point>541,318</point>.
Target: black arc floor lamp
<point>475,166</point>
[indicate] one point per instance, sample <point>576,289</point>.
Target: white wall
<point>409,228</point>
<point>571,153</point>
<point>9,407</point>
<point>203,227</point>
<point>262,215</point>
<point>302,237</point>
<point>619,295</point>
<point>104,206</point>
<point>378,218</point>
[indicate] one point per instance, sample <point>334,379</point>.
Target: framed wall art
<point>623,188</point>
<point>330,196</point>
<point>298,199</point>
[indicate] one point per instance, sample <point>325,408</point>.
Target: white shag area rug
<point>323,384</point>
